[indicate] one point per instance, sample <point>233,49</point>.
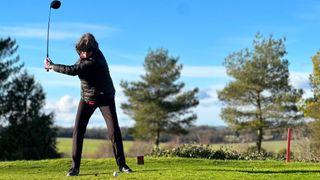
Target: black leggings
<point>109,113</point>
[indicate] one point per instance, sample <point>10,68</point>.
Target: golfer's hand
<point>48,64</point>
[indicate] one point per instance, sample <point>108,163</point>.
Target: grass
<point>162,168</point>
<point>90,146</point>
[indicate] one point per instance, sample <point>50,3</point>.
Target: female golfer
<point>97,91</point>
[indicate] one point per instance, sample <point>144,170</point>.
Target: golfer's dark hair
<point>87,43</point>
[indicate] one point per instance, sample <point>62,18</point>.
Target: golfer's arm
<point>75,69</point>
<point>65,69</point>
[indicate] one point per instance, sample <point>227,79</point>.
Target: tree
<point>311,106</point>
<point>259,96</point>
<point>29,133</point>
<point>9,65</point>
<point>157,103</point>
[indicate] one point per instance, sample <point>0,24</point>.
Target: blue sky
<point>200,32</point>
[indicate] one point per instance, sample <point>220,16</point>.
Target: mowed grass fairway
<point>90,146</point>
<point>162,168</point>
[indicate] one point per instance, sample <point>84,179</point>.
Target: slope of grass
<point>162,168</point>
<point>90,146</point>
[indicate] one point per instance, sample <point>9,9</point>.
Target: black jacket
<point>96,82</point>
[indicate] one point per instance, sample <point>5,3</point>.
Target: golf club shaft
<point>48,33</point>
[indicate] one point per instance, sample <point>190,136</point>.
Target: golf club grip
<point>46,63</point>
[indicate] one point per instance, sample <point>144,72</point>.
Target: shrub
<point>204,151</point>
<point>251,153</point>
<point>193,151</point>
<point>282,154</point>
<point>159,152</point>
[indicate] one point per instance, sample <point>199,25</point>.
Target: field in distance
<point>92,147</point>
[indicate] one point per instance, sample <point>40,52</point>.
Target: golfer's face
<point>84,54</point>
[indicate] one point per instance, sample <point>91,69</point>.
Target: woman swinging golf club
<point>97,91</point>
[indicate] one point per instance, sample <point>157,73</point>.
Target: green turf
<point>162,168</point>
<point>90,146</point>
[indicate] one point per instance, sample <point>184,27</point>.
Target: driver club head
<point>55,4</point>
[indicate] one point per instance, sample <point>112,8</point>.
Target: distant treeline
<point>94,133</point>
<point>197,134</point>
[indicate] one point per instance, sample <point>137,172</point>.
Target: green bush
<point>282,154</point>
<point>251,153</point>
<point>204,151</point>
<point>159,152</point>
<point>193,151</point>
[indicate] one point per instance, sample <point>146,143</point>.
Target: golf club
<point>55,4</point>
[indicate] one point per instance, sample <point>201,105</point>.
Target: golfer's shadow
<point>97,174</point>
<point>136,171</point>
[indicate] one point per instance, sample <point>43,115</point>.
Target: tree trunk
<point>157,141</point>
<point>260,119</point>
<point>259,139</point>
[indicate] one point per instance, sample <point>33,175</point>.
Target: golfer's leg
<point>110,115</point>
<point>82,118</point>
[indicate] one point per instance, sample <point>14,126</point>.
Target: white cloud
<point>58,31</point>
<point>66,104</point>
<point>301,80</point>
<point>36,32</point>
<point>209,115</point>
<point>208,110</point>
<point>65,109</point>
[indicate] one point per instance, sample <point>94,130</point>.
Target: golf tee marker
<point>288,145</point>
